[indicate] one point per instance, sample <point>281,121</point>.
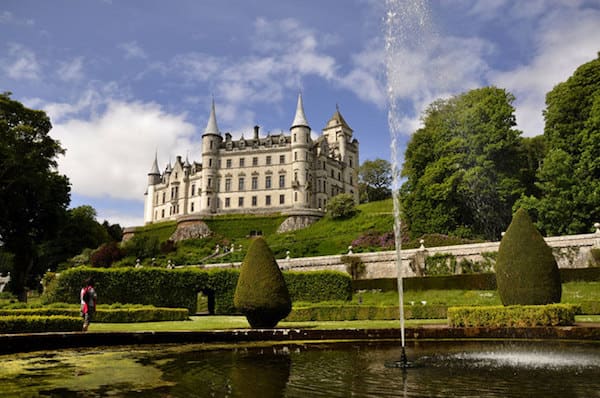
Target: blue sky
<point>122,79</point>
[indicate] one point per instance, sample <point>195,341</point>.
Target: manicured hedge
<point>580,274</point>
<point>110,315</point>
<point>38,323</point>
<point>485,281</point>
<point>365,312</point>
<point>513,316</point>
<point>178,288</point>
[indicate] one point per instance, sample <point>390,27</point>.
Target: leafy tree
<point>261,293</point>
<point>526,271</point>
<point>33,195</point>
<point>375,178</point>
<point>462,167</point>
<point>341,206</point>
<point>567,200</point>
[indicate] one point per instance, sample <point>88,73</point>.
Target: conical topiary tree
<point>526,271</point>
<point>261,294</point>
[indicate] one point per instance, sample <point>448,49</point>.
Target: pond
<point>440,369</point>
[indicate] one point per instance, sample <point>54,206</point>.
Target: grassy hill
<point>325,237</point>
<point>372,223</point>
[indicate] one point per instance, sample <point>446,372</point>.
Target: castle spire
<point>154,170</point>
<point>211,127</point>
<point>300,117</point>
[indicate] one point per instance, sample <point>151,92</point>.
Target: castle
<point>290,174</point>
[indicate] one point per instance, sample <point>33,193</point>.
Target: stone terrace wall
<point>571,251</point>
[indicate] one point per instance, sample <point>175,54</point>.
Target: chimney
<point>256,132</point>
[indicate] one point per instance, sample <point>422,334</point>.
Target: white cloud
<point>22,63</point>
<point>107,153</point>
<point>133,50</point>
<point>7,17</point>
<point>566,38</point>
<point>71,70</point>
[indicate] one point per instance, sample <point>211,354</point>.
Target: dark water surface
<point>441,369</point>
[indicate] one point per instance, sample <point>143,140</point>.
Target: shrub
<point>460,282</point>
<point>364,312</point>
<point>142,246</point>
<point>316,286</point>
<point>37,323</point>
<point>440,264</point>
<point>106,255</point>
<point>595,258</point>
<point>106,314</point>
<point>526,271</point>
<point>341,206</point>
<point>261,293</point>
<point>354,266</point>
<point>513,316</point>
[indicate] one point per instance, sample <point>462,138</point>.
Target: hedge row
<point>364,312</point>
<point>110,315</point>
<point>178,288</point>
<point>485,281</point>
<point>513,316</point>
<point>38,323</point>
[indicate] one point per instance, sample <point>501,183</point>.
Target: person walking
<point>88,298</point>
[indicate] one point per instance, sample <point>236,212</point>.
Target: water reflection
<point>466,369</point>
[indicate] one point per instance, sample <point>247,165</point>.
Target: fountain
<point>405,24</point>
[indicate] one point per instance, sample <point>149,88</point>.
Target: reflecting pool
<point>440,369</point>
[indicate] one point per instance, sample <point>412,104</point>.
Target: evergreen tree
<point>526,270</point>
<point>261,293</point>
<point>568,197</point>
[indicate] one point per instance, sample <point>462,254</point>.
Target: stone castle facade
<point>280,173</point>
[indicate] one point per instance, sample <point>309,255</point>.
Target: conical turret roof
<point>211,126</point>
<point>300,117</point>
<point>337,120</point>
<point>154,170</point>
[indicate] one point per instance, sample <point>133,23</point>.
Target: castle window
<point>241,184</point>
<point>268,182</point>
<point>268,200</point>
<point>228,163</point>
<point>193,190</point>
<point>227,184</point>
<point>350,161</point>
<point>268,160</point>
<point>209,162</point>
<point>281,159</point>
<point>294,137</point>
<point>319,205</point>
<point>295,176</point>
<point>254,182</point>
<point>242,162</point>
<point>175,175</point>
<point>339,176</point>
<point>164,197</point>
<point>208,202</point>
<point>332,173</point>
<point>295,196</point>
<point>227,202</point>
<point>162,213</point>
<point>351,181</point>
<point>254,201</point>
<point>295,155</point>
<point>241,201</point>
<point>255,161</point>
<point>209,183</point>
<point>281,199</point>
<point>282,181</point>
<point>211,144</point>
<point>192,207</point>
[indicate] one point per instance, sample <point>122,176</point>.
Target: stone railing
<point>572,251</point>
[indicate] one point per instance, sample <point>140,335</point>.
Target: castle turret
<point>211,141</point>
<point>153,179</point>
<point>300,132</point>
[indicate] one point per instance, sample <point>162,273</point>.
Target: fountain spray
<point>404,22</point>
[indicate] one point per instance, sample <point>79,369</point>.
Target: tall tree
<point>568,182</point>
<point>375,178</point>
<point>462,166</point>
<point>33,195</point>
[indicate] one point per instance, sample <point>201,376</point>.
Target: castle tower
<point>153,179</point>
<point>211,141</point>
<point>300,132</point>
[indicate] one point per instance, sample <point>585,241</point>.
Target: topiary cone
<point>261,293</point>
<point>526,271</point>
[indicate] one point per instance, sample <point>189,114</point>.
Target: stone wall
<point>571,251</point>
